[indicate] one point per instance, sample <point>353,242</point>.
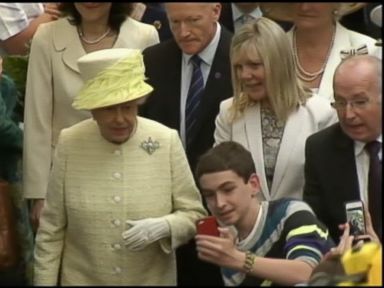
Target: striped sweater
<point>288,229</point>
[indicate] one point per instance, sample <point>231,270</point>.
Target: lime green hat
<point>111,76</point>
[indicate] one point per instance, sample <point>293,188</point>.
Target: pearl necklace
<point>301,72</point>
<point>91,42</point>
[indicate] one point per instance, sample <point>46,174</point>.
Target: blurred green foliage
<point>16,68</point>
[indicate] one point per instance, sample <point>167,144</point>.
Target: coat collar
<point>67,41</point>
<point>252,118</point>
<point>293,128</point>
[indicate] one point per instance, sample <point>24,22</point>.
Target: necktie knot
<point>196,60</point>
<point>246,18</point>
<point>373,148</point>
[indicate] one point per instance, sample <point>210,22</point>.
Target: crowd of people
<point>139,119</point>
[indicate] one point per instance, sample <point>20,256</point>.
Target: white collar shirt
<point>207,56</point>
<point>237,16</point>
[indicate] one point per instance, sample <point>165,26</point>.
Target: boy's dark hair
<point>226,156</point>
<point>119,12</point>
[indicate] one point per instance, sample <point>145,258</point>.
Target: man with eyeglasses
<point>339,166</point>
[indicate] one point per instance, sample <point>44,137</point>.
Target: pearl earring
<point>335,12</point>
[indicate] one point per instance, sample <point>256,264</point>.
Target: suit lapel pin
<point>217,75</point>
<point>150,146</point>
<point>157,24</point>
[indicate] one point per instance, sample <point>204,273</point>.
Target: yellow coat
<point>53,80</point>
<point>94,188</point>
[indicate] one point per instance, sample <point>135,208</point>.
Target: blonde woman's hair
<point>285,91</point>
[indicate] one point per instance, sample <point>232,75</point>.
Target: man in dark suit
<point>337,164</point>
<point>155,15</point>
<point>234,14</point>
<point>170,71</point>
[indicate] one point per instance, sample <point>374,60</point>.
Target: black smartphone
<point>355,216</point>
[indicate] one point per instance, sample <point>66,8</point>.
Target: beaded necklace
<point>91,42</point>
<point>301,72</point>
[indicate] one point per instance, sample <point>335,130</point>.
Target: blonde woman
<point>271,113</point>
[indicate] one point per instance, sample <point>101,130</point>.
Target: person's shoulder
<point>161,54</point>
<point>167,47</point>
<point>325,136</point>
<point>131,23</point>
<point>6,82</point>
<point>225,33</point>
<point>50,28</point>
<point>356,37</point>
<point>225,104</point>
<point>316,100</point>
<point>287,206</point>
<point>318,105</point>
<point>154,127</point>
<point>81,130</point>
<point>225,40</point>
<point>319,108</point>
<point>8,92</point>
<point>57,24</point>
<point>297,204</point>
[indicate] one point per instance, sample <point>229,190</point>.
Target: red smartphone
<point>208,226</point>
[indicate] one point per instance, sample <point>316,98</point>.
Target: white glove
<point>144,232</point>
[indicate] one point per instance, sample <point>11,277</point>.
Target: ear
<point>217,10</point>
<point>255,184</point>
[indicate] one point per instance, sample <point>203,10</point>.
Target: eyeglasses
<point>358,104</point>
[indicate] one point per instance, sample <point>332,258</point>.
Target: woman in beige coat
<point>319,41</point>
<point>121,195</point>
<point>53,79</point>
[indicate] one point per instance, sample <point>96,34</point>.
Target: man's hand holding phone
<point>356,218</point>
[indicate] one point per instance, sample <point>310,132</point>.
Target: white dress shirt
<point>206,56</point>
<point>237,16</point>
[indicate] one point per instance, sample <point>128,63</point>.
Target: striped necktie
<point>195,92</point>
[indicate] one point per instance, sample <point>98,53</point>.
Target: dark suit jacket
<point>155,15</point>
<point>360,21</point>
<point>330,176</point>
<point>226,18</point>
<point>163,69</point>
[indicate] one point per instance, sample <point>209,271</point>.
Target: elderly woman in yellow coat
<point>121,196</point>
